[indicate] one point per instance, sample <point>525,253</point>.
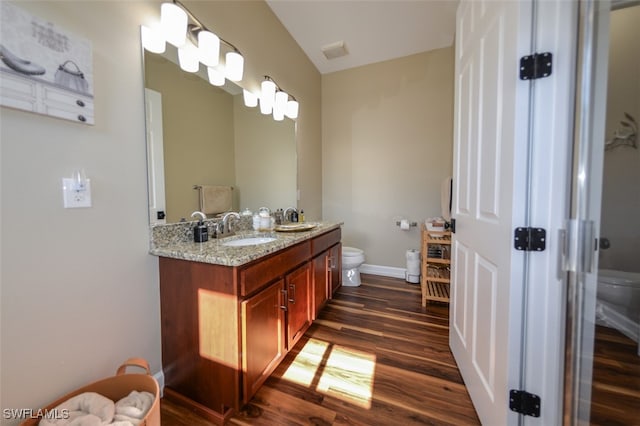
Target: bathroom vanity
<point>230,314</point>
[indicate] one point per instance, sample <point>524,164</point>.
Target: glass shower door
<point>602,367</point>
<point>580,255</point>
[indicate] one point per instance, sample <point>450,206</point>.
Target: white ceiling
<point>372,30</point>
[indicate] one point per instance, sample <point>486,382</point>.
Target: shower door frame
<point>580,260</point>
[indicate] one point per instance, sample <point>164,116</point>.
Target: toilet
<point>618,302</point>
<point>352,258</point>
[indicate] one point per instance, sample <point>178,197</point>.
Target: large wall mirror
<point>200,134</point>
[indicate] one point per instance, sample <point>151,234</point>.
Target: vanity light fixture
<point>208,48</point>
<point>196,43</point>
<point>152,39</point>
<point>188,57</point>
<point>292,109</point>
<point>216,77</point>
<point>278,114</point>
<point>275,100</point>
<point>250,98</point>
<point>173,20</point>
<point>267,95</point>
<point>280,105</point>
<point>234,66</point>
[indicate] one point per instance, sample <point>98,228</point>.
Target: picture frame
<point>44,68</point>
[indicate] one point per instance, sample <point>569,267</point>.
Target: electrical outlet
<point>76,198</point>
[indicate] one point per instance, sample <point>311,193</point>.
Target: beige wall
<point>265,159</point>
<point>621,193</point>
<point>79,293</point>
<point>387,133</point>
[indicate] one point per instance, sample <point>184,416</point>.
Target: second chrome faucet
<point>223,227</point>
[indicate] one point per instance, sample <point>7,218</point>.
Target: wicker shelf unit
<point>435,274</point>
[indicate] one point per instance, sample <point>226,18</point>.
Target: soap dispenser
<point>200,232</point>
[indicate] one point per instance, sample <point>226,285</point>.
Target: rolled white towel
<point>85,409</point>
<point>133,407</point>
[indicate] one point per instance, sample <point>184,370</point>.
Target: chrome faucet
<point>287,214</point>
<point>200,215</point>
<point>224,225</point>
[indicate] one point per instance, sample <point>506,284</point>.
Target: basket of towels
<point>126,399</point>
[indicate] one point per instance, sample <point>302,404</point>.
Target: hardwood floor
<point>374,356</point>
<point>615,392</point>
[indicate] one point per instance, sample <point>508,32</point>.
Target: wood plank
<point>615,390</point>
<point>285,408</point>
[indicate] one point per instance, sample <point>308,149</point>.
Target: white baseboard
<point>385,271</point>
<point>159,376</point>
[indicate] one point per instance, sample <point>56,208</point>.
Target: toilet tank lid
<point>621,278</point>
<point>351,251</point>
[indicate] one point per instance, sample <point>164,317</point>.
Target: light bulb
<point>281,101</point>
<point>292,109</point>
<point>267,96</point>
<point>152,40</point>
<point>173,20</point>
<point>234,66</point>
<point>280,105</point>
<point>250,98</point>
<point>188,57</point>
<point>278,114</point>
<point>209,48</point>
<point>216,77</point>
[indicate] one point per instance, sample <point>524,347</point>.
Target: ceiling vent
<point>334,50</point>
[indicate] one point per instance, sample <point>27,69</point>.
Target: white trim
<point>159,376</point>
<point>385,271</point>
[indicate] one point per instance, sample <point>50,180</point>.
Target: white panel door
<point>490,137</point>
<point>155,156</point>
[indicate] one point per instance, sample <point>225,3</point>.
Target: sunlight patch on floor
<point>347,373</point>
<point>303,368</point>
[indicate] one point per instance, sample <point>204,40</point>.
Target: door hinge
<point>538,65</point>
<point>530,239</point>
<point>524,403</point>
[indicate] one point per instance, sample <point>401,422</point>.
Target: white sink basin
<point>250,241</point>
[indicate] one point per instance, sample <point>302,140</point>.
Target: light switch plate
<point>76,199</point>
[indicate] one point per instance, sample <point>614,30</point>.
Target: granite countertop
<point>214,251</point>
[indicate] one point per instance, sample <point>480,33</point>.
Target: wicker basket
<point>116,388</point>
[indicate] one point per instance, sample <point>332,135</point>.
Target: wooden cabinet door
<point>321,281</point>
<point>298,290</point>
<point>262,336</point>
<point>336,267</point>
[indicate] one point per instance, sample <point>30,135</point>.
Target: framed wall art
<point>43,68</point>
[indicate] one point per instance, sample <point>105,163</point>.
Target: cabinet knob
<point>82,118</point>
<point>80,102</point>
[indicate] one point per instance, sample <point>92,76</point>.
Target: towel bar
<point>200,186</point>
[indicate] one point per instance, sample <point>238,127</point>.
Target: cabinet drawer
<point>18,86</point>
<point>324,241</point>
<point>70,100</point>
<point>257,275</point>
